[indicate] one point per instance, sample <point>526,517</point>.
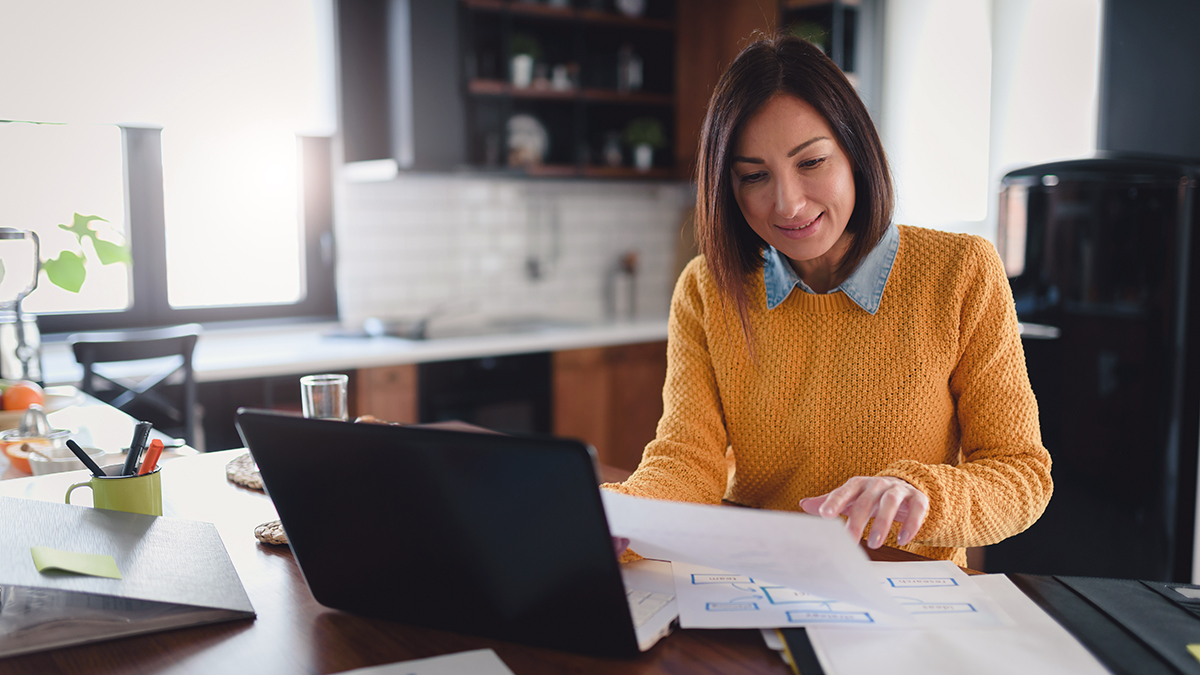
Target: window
<point>198,132</point>
<point>50,172</point>
<point>974,89</point>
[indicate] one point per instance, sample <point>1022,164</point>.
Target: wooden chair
<point>136,345</point>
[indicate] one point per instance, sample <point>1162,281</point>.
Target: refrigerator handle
<point>1038,331</point>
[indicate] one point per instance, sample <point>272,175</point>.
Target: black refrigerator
<point>1103,256</point>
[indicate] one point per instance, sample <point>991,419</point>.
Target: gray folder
<point>175,573</point>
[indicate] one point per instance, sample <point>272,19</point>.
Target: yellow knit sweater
<point>931,389</point>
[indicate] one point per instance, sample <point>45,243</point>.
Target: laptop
<point>488,534</point>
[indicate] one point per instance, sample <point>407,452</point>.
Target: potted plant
<point>69,270</point>
<point>525,50</point>
<point>644,135</point>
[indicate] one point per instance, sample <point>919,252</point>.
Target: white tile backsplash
<point>465,244</point>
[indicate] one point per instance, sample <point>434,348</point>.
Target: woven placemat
<point>243,472</point>
<point>271,533</point>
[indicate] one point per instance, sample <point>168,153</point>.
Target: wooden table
<point>293,634</point>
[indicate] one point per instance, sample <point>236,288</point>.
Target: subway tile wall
<point>506,247</point>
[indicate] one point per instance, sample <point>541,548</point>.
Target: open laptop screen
<point>487,534</point>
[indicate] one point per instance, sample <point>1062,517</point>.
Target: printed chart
<point>935,594</point>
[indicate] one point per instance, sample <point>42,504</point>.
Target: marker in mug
<point>140,433</point>
<point>152,455</point>
<point>83,457</point>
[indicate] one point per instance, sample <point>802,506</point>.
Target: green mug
<point>135,494</point>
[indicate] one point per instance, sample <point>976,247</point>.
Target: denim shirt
<point>864,286</point>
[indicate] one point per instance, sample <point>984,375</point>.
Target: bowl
<point>56,460</point>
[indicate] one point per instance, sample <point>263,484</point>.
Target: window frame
<point>146,234</point>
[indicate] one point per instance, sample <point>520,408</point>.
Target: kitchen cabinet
<point>457,56</point>
<point>832,25</point>
<point>552,88</point>
<point>387,392</point>
<point>399,101</point>
<point>611,397</point>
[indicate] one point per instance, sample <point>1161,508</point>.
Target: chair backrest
<point>135,345</point>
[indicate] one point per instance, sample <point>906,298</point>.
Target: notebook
<point>169,573</point>
<point>488,534</point>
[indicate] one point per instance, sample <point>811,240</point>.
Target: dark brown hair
<point>782,64</point>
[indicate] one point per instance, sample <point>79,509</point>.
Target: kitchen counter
<point>241,353</point>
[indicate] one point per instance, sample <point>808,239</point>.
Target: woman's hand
<point>620,544</point>
<point>884,498</point>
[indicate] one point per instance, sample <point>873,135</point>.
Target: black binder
<point>1133,627</point>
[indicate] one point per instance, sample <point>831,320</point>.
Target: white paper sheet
<point>934,593</point>
<point>477,662</point>
<point>788,549</point>
<point>1034,645</point>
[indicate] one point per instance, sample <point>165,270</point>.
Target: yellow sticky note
<point>1195,650</point>
<point>91,564</point>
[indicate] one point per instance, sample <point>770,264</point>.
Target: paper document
<point>934,593</point>
<point>477,662</point>
<point>787,549</point>
<point>1034,645</point>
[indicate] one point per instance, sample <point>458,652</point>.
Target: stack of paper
<point>744,568</point>
<point>786,549</point>
<point>935,594</point>
<point>1035,644</point>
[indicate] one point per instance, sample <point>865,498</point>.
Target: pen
<point>148,464</point>
<point>83,457</point>
<point>140,433</point>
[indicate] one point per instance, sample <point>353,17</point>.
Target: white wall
<point>420,243</point>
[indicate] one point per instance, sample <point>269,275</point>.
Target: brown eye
<point>751,177</point>
<point>811,163</point>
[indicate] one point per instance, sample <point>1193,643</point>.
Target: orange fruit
<point>22,394</point>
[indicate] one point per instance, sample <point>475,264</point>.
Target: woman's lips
<point>801,231</point>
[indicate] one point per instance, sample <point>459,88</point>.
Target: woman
<point>823,359</point>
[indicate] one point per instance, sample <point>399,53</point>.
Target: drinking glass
<point>324,397</point>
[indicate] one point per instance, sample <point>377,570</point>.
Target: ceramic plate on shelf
<point>56,398</point>
<point>528,141</point>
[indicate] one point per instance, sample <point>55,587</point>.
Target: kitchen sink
<point>457,326</point>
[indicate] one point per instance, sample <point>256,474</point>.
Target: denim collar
<point>864,286</point>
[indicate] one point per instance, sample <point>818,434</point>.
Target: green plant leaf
<point>110,253</point>
<point>81,226</point>
<point>66,271</point>
<point>645,130</point>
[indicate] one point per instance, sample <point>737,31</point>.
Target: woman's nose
<point>789,198</point>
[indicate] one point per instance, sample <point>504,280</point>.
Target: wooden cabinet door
<point>389,393</point>
<point>611,397</point>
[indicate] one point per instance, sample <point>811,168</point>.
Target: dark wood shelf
<point>551,170</point>
<point>632,97</point>
<point>626,21</point>
<point>481,87</point>
<point>539,10</point>
<point>579,121</point>
<point>574,171</point>
<point>629,172</point>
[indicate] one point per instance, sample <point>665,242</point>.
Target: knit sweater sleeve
<point>1002,483</point>
<point>686,459</point>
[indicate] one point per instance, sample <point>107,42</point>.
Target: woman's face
<point>794,182</point>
